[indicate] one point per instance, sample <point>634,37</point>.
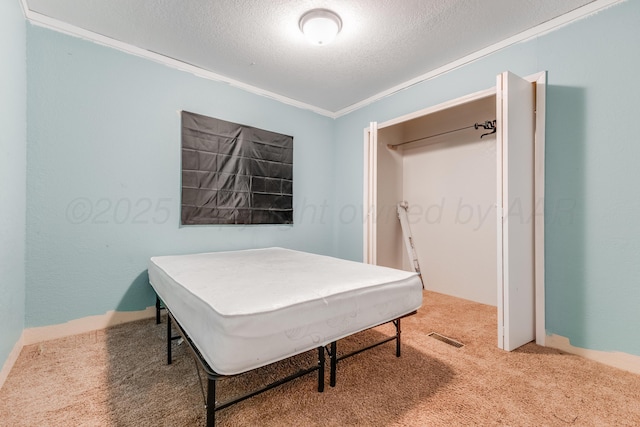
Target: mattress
<point>246,309</point>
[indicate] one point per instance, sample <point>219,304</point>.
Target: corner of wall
<point>11,360</point>
<point>13,143</point>
<point>75,327</point>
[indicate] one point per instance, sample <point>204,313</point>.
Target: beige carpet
<point>118,377</point>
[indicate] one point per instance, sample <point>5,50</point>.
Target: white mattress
<point>246,309</point>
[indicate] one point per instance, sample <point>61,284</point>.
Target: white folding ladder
<point>408,239</point>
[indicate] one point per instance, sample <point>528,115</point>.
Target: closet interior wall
<point>449,182</point>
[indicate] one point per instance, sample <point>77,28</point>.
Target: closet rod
<point>488,124</point>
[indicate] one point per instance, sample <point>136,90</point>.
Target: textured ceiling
<point>382,45</point>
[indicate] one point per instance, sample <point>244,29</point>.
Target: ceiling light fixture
<point>320,26</point>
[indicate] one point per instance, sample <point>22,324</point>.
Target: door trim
<point>540,80</point>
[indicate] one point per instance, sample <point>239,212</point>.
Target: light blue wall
<point>593,236</point>
<point>104,175</point>
<point>13,140</point>
<point>592,178</point>
<point>103,146</point>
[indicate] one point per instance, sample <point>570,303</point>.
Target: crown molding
<point>544,28</point>
<point>72,30</point>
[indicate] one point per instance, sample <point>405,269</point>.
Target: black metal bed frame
<point>210,402</point>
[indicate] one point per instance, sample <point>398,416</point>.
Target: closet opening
<point>470,173</point>
<point>446,172</point>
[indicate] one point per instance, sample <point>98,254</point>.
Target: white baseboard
<point>625,361</point>
<point>11,360</point>
<point>73,327</point>
<point>85,324</point>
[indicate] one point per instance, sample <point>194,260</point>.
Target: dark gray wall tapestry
<point>235,174</point>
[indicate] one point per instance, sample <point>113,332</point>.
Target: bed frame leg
<point>211,403</point>
<point>157,309</point>
<point>334,364</point>
<point>397,322</point>
<point>320,369</point>
<point>168,340</point>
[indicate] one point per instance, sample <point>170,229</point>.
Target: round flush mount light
<point>320,26</point>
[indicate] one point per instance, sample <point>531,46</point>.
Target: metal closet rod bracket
<point>489,125</point>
